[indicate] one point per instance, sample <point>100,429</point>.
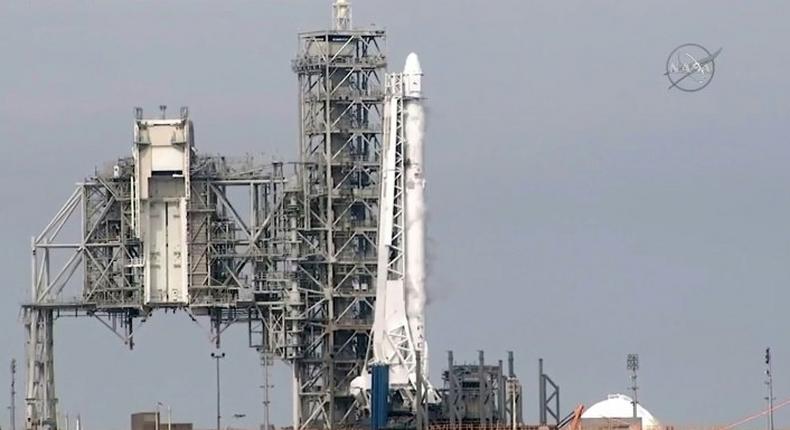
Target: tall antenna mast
<point>266,362</point>
<point>632,363</point>
<point>341,15</point>
<point>12,407</point>
<point>769,381</point>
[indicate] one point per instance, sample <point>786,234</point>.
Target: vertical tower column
<point>340,75</point>
<point>12,403</point>
<point>41,403</point>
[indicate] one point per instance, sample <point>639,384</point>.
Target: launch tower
<point>340,75</point>
<point>292,255</point>
<point>322,259</point>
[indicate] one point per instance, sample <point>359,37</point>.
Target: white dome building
<point>621,406</point>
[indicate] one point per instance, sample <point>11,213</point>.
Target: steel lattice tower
<point>340,73</point>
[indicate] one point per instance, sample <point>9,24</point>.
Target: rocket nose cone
<point>412,66</point>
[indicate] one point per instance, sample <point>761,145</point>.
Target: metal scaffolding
<point>228,254</point>
<point>482,394</point>
<point>340,76</point>
<point>290,254</point>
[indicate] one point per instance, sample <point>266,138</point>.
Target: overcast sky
<point>579,211</point>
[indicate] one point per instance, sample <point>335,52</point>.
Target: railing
<point>504,426</point>
<point>500,426</point>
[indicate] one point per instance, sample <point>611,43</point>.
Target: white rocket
<point>399,319</point>
<point>415,202</point>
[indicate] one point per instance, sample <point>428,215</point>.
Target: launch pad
<point>291,250</point>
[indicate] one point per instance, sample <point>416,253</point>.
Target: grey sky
<point>578,210</point>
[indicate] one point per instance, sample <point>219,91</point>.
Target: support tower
<point>340,73</point>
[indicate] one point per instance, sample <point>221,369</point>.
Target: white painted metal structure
<point>160,192</point>
<point>342,14</point>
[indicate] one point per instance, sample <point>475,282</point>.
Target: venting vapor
<point>415,201</point>
<point>399,319</point>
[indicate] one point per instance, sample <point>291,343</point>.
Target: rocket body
<point>415,202</point>
<point>399,316</point>
<point>412,77</point>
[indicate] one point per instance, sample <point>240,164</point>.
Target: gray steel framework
<point>292,256</point>
<point>481,394</point>
<point>232,257</point>
<point>548,397</point>
<point>340,76</point>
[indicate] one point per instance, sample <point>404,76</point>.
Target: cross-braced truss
<point>341,76</point>
<point>291,255</point>
<point>237,247</point>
